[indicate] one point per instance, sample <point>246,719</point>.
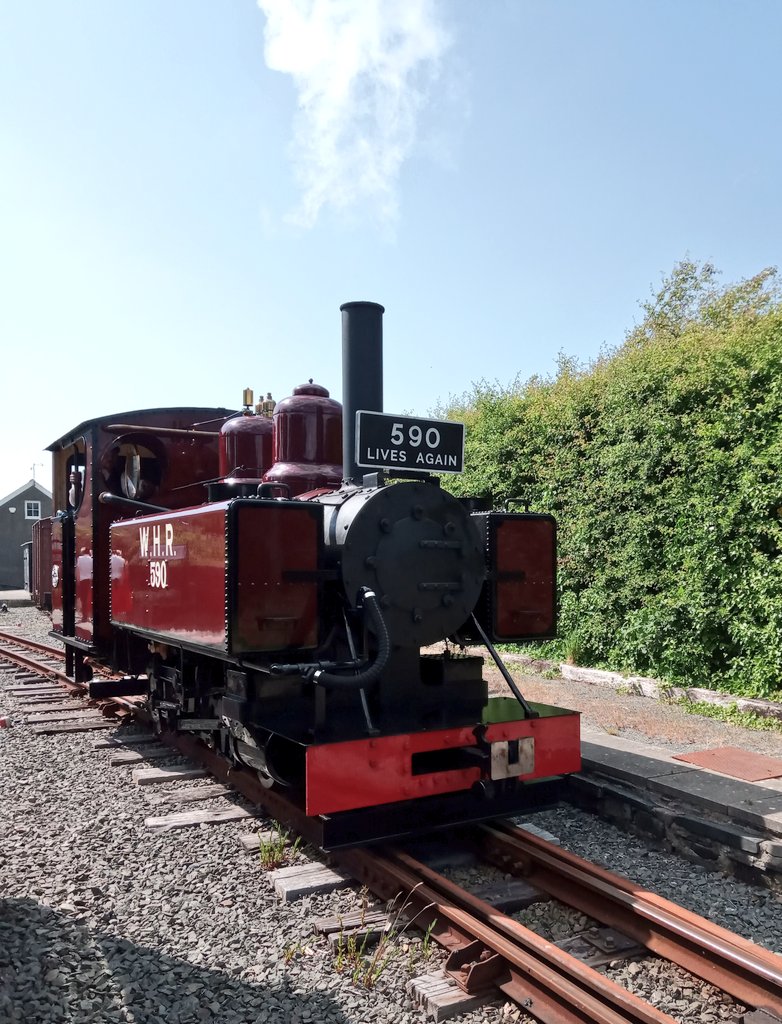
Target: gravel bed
<point>102,920</point>
<point>29,623</point>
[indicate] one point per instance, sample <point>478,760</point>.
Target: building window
<point>32,510</point>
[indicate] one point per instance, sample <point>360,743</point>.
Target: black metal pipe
<point>530,712</point>
<point>362,374</point>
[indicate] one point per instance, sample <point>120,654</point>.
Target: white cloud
<point>362,70</point>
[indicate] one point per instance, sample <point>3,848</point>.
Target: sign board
<point>408,443</point>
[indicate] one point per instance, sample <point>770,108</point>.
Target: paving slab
<point>740,801</point>
<point>736,763</point>
<point>703,790</point>
<point>774,785</point>
<point>635,766</point>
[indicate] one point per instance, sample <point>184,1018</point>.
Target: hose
<point>367,676</point>
<point>321,671</point>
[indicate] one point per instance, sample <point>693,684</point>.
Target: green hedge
<point>662,462</point>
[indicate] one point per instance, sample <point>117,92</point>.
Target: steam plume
<point>362,70</point>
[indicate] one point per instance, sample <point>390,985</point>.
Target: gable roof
<point>23,488</point>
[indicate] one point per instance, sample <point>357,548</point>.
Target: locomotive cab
<point>130,458</point>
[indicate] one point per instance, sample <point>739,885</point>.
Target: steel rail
<point>13,638</point>
<point>550,984</point>
<point>107,706</point>
<point>47,671</point>
<point>746,971</point>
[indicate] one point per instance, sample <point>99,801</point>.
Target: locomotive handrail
<point>135,428</point>
<point>107,498</point>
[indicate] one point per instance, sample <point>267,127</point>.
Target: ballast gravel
<point>102,920</point>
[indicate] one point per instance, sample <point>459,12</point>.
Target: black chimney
<point>362,374</point>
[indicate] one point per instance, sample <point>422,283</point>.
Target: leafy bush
<point>662,461</point>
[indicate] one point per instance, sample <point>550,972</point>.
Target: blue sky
<point>189,189</point>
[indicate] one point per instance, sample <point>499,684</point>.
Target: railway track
<point>47,661</point>
<point>490,951</point>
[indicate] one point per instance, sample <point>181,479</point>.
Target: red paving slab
<point>739,764</point>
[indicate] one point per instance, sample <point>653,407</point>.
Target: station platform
<point>712,817</point>
<point>15,598</point>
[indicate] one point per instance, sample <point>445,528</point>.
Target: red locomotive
<point>269,583</point>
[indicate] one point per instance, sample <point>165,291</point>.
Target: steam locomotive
<point>269,578</point>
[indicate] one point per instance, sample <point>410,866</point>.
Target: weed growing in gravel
<point>274,851</point>
<point>730,714</point>
<point>294,950</point>
<point>351,958</point>
<point>420,954</point>
<point>366,969</point>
